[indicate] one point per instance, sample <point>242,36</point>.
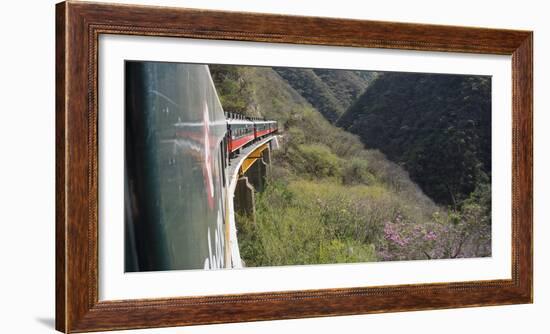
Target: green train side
<point>178,143</point>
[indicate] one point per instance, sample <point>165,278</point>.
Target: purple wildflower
<point>430,236</point>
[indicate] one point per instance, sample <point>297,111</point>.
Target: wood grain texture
<point>60,181</point>
<point>78,26</point>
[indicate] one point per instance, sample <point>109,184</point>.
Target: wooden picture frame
<point>78,27</point>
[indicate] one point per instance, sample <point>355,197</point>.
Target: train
<point>179,142</point>
<point>242,131</point>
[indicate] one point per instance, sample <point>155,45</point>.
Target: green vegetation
<point>329,91</point>
<point>235,94</point>
<point>330,200</point>
<point>301,222</point>
<point>437,126</point>
<point>315,159</point>
<point>345,85</point>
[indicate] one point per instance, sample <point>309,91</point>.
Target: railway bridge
<point>246,174</point>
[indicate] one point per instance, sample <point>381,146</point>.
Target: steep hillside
<point>345,86</point>
<point>330,200</point>
<point>329,91</point>
<point>235,94</point>
<point>438,127</point>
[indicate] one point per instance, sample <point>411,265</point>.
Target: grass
<point>307,222</point>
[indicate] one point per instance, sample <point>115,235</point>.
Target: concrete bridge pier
<point>266,154</point>
<point>257,174</point>
<point>253,180</point>
<point>244,198</point>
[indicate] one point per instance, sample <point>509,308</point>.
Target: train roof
<point>238,116</point>
<point>239,121</point>
<point>265,121</point>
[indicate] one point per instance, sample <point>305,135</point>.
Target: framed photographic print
<point>222,166</point>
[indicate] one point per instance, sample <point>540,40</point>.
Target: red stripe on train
<point>264,132</point>
<point>235,144</point>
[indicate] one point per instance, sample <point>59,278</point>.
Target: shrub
<point>292,229</point>
<point>357,171</point>
<point>463,233</point>
<point>316,160</point>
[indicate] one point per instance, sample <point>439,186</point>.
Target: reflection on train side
<point>178,142</point>
<point>175,126</point>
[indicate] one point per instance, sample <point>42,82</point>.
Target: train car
<point>262,128</point>
<point>174,168</point>
<point>240,132</point>
<point>178,144</point>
